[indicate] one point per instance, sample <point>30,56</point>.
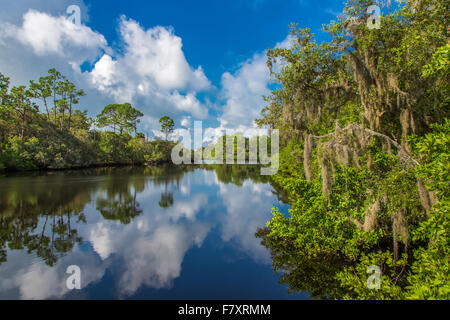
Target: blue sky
<point>191,60</point>
<point>217,34</point>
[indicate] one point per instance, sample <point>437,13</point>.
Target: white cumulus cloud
<point>243,92</point>
<point>152,71</point>
<point>47,35</point>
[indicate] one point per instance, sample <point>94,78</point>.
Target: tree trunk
<point>22,127</point>
<point>54,101</point>
<point>62,118</point>
<point>23,123</point>
<point>70,112</point>
<point>46,109</point>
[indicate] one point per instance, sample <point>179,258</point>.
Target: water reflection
<point>40,219</point>
<point>132,231</point>
<point>303,273</point>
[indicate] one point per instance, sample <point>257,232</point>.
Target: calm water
<point>137,233</point>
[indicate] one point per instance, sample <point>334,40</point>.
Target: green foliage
<point>20,154</point>
<point>122,117</point>
<point>240,150</point>
<point>369,110</point>
<point>435,155</point>
<point>61,137</point>
<point>318,228</point>
<point>439,62</point>
<point>45,220</point>
<point>430,276</point>
<point>167,125</point>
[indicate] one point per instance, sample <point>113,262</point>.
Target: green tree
<point>61,136</point>
<point>20,100</point>
<point>70,96</point>
<point>42,90</point>
<point>167,125</point>
<point>122,117</point>
<point>53,81</point>
<point>362,191</point>
<point>5,109</point>
<point>4,89</point>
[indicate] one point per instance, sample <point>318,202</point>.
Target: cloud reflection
<point>148,249</point>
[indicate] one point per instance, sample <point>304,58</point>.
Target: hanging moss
<point>370,219</point>
<point>390,98</point>
<point>399,228</point>
<point>386,147</point>
<point>405,123</point>
<point>355,159</point>
<point>370,161</point>
<point>424,196</point>
<point>307,155</point>
<point>326,181</point>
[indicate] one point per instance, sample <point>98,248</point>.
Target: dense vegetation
<point>365,140</point>
<point>365,137</point>
<point>63,137</point>
<point>238,149</point>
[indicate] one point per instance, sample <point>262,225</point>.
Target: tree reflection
<point>167,174</point>
<point>301,272</point>
<point>121,186</point>
<point>170,177</point>
<point>280,193</point>
<point>166,200</point>
<point>40,212</point>
<point>39,216</point>
<point>119,202</point>
<point>237,174</point>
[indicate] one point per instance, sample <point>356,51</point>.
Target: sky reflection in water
<point>137,233</point>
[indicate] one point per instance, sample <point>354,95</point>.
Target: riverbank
<point>44,146</point>
<point>60,137</point>
<point>93,166</point>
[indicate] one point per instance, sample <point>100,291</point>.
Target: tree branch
<point>373,133</point>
